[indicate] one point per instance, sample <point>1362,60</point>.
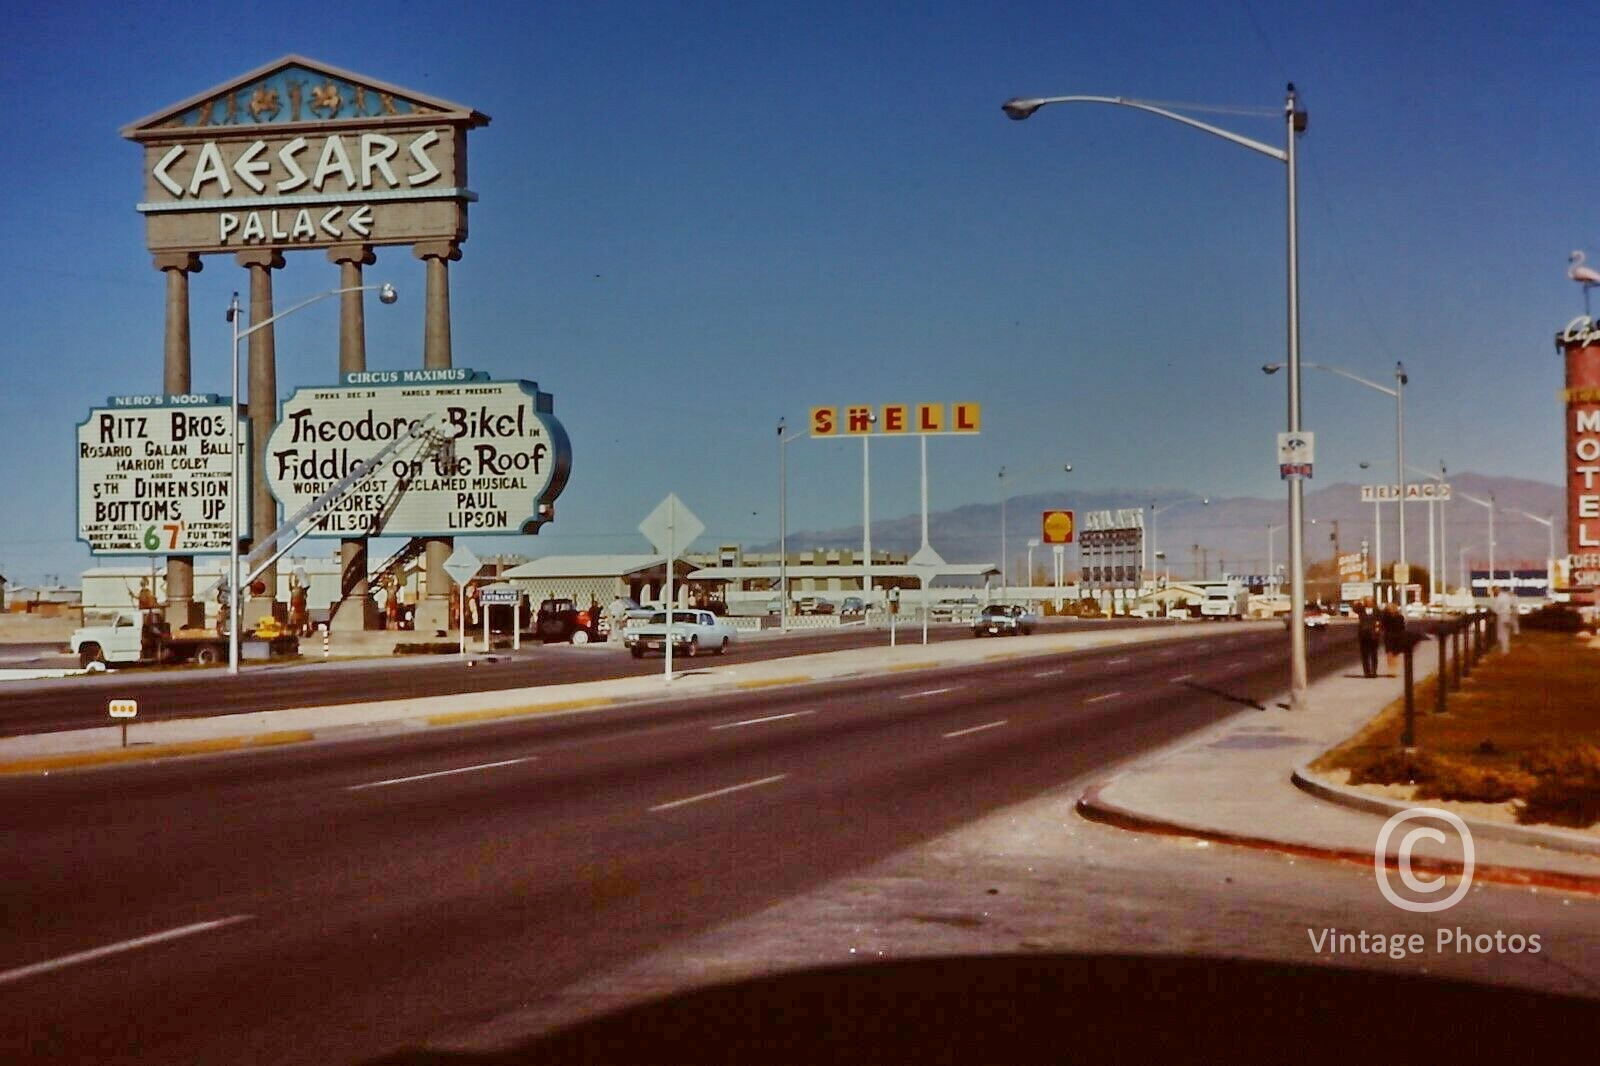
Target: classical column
<point>175,381</point>
<point>263,392</point>
<point>355,611</point>
<point>433,613</point>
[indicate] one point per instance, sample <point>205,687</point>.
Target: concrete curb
<point>1093,806</point>
<point>1344,796</point>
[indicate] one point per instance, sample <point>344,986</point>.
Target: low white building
<point>601,578</point>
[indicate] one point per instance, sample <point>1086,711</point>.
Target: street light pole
<point>1549,525</point>
<point>1004,579</point>
<point>1399,394</point>
<point>1271,556</point>
<point>387,294</point>
<point>1294,123</point>
<point>784,440</point>
<point>1489,504</point>
<point>1156,512</point>
<point>866,520</point>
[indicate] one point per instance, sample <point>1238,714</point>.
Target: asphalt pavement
<point>1245,781</point>
<point>1231,783</point>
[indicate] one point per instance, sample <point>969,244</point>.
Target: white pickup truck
<point>135,636</point>
<point>1225,601</point>
<point>693,632</point>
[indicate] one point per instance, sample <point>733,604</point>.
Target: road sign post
<point>462,566</point>
<point>124,710</point>
<point>670,528</point>
<point>501,597</point>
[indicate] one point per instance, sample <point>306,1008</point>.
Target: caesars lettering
<point>337,169</point>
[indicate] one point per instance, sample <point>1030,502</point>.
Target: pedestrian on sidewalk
<point>1506,622</point>
<point>1394,633</point>
<point>1369,633</point>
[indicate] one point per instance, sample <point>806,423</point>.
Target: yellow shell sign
<point>897,418</point>
<point>1058,527</point>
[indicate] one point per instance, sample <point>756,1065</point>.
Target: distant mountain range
<point>1230,534</point>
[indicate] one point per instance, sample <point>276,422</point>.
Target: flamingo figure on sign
<point>1588,277</point>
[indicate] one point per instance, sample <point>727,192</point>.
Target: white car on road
<point>692,632</point>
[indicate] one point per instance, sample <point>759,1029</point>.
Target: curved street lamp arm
<point>1020,108</point>
<point>307,302</point>
<point>1273,368</point>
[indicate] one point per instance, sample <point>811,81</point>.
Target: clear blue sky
<point>696,218</point>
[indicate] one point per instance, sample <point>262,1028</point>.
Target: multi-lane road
<point>336,902</point>
<point>80,702</point>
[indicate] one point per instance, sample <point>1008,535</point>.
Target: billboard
<point>1111,547</point>
<point>1519,581</point>
<point>492,458</point>
<point>154,474</point>
<point>897,419</point>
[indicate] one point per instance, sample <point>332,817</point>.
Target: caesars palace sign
<point>299,155</point>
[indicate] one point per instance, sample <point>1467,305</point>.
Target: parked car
<point>562,621</point>
<point>1315,618</point>
<point>954,610</point>
<point>852,605</point>
<point>813,605</point>
<point>1558,617</point>
<point>1004,620</point>
<point>693,631</point>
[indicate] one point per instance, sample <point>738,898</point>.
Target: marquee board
<point>501,461</point>
<point>153,476</point>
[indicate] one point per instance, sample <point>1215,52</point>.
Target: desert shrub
<point>432,648</point>
<point>1568,789</point>
<point>1442,777</point>
<point>1563,760</point>
<point>1395,767</point>
<point>1474,784</point>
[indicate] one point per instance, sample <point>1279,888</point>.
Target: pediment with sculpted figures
<point>295,90</point>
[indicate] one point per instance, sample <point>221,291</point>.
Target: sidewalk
<point>1246,781</point>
